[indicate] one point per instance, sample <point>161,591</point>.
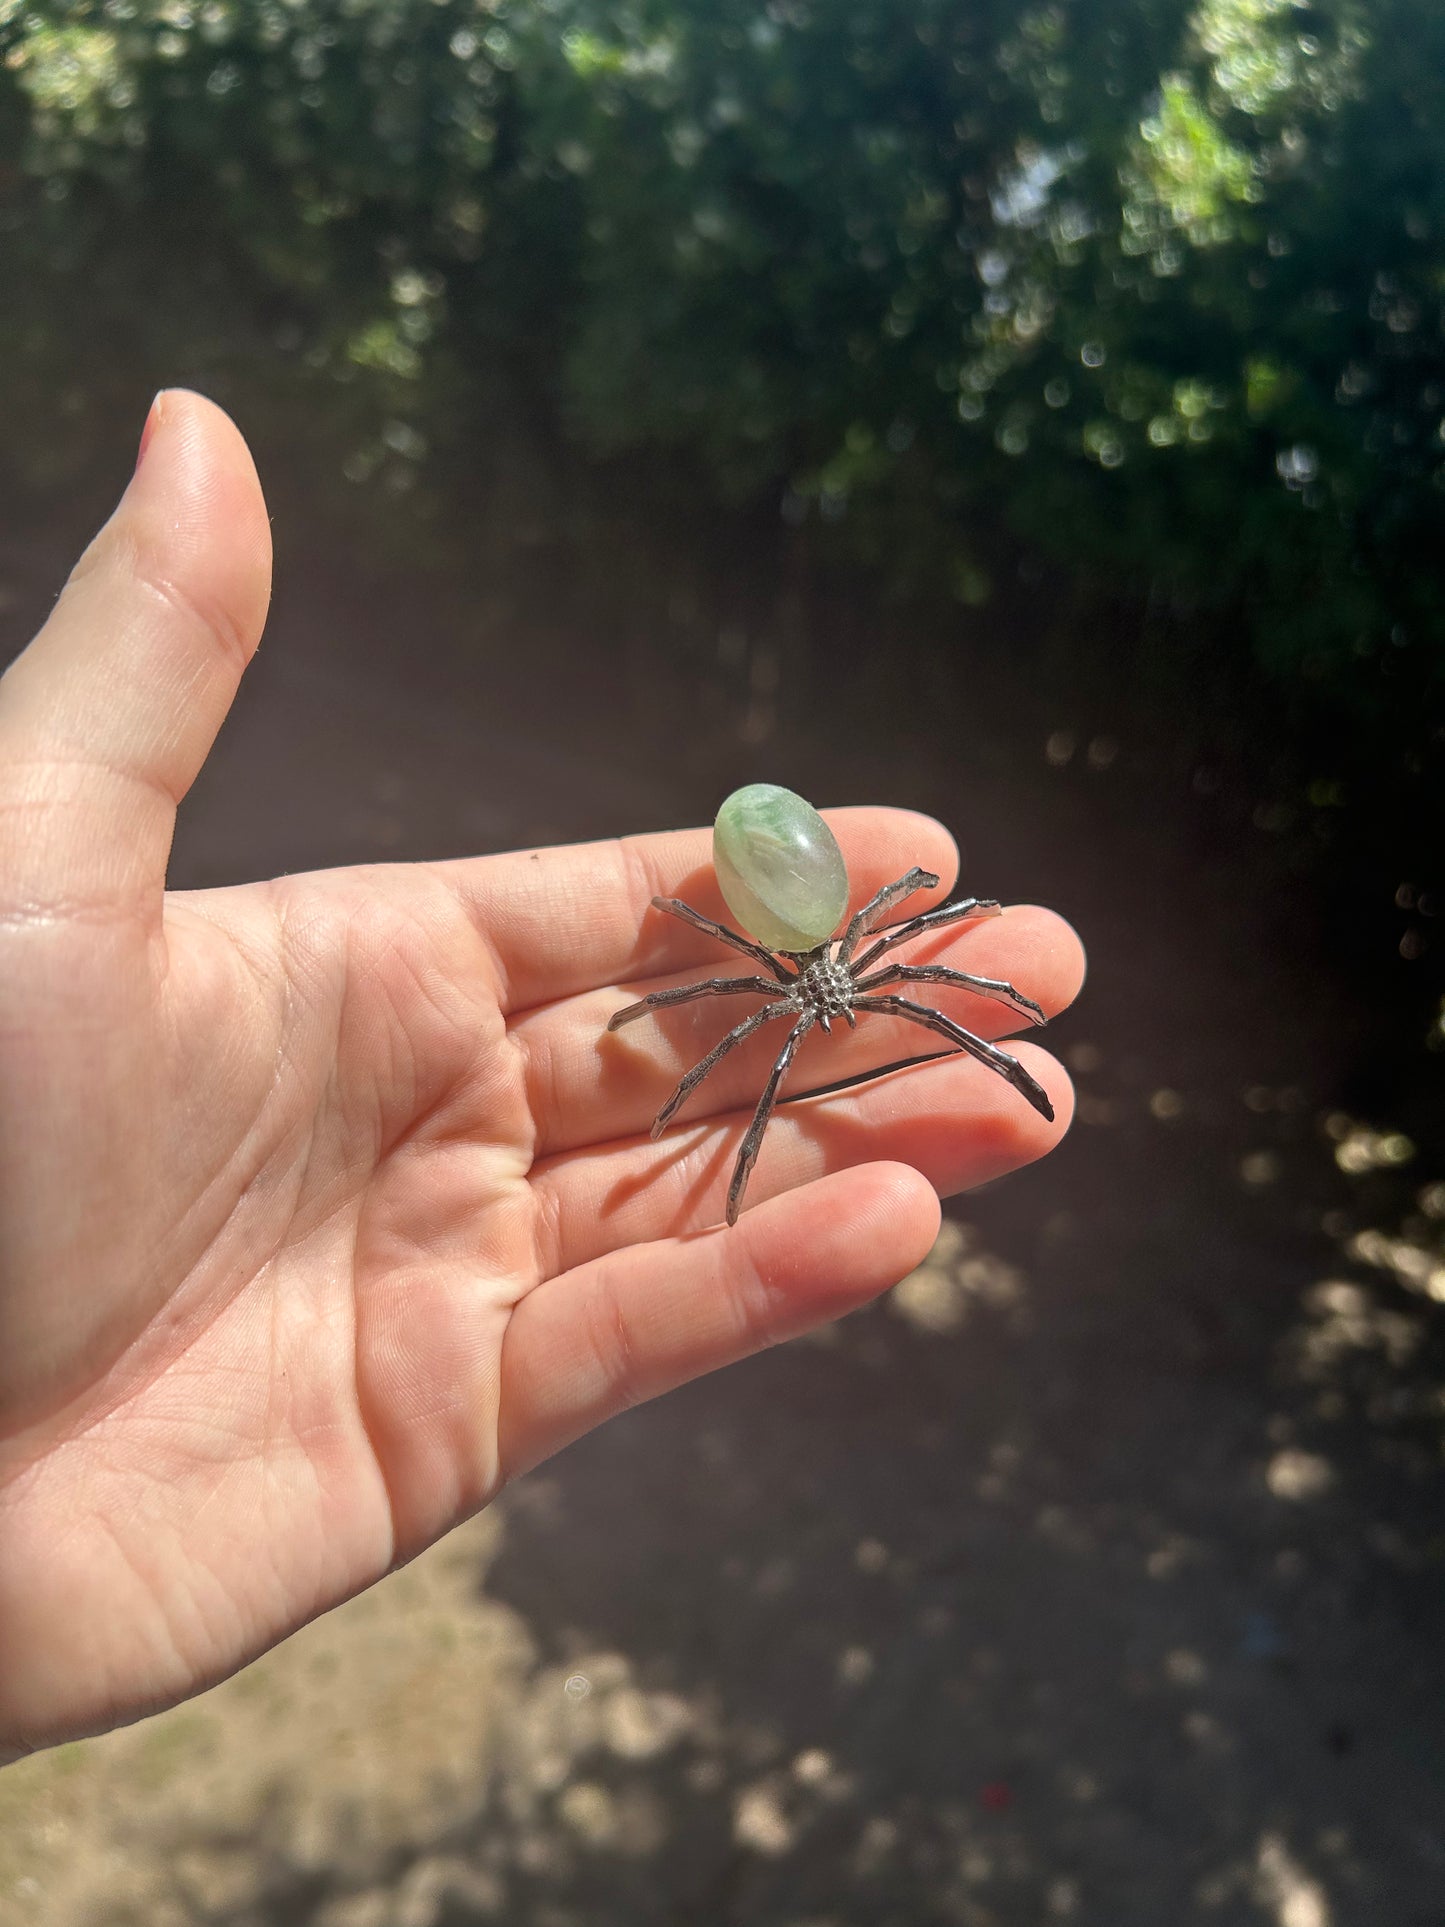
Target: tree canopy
<point>1157,286</point>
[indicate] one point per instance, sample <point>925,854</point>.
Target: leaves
<point>1157,286</point>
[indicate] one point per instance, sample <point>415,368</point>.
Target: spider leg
<point>748,1151</point>
<point>920,926</point>
<point>684,994</point>
<point>675,907</point>
<point>694,1077</point>
<point>998,1060</point>
<point>866,918</point>
<point>941,974</point>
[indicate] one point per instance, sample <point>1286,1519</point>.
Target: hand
<point>325,1204</point>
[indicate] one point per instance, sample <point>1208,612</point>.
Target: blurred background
<point>1034,413</point>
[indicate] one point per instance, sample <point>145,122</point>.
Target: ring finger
<point>953,1119</point>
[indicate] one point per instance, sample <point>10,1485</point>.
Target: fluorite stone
<point>779,868</point>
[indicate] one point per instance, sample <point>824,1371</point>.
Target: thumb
<point>107,717</point>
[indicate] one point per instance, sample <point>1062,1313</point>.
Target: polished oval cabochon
<point>779,868</point>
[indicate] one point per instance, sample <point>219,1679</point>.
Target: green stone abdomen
<point>779,868</point>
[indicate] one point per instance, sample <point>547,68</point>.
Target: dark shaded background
<point>1028,414</point>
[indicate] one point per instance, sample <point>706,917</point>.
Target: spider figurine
<point>781,873</point>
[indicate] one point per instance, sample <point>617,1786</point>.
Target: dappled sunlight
<point>183,1818</point>
<point>1187,177</point>
<point>1270,58</point>
<point>1024,415</point>
<point>956,1277</point>
<point>1296,1899</point>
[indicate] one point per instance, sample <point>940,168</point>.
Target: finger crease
<point>216,621</point>
<point>547,1230</point>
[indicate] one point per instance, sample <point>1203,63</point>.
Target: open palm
<point>325,1204</point>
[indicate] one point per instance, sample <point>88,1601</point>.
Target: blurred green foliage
<point>1156,285</point>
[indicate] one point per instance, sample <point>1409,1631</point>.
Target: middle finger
<point>589,1086</point>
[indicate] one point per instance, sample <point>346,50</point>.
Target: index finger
<point>573,919</point>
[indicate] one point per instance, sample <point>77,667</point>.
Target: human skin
<point>326,1206</point>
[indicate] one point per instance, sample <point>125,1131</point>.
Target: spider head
<point>825,987</point>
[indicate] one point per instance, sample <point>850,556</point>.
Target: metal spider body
<point>816,986</point>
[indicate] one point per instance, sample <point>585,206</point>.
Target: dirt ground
<point>1095,1577</point>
